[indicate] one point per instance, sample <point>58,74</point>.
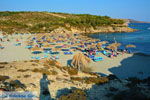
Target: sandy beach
<point>19,60</point>
<point>20,53</point>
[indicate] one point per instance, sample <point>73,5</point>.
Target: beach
<point>19,53</point>
<point>19,65</point>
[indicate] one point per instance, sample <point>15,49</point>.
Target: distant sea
<point>140,38</point>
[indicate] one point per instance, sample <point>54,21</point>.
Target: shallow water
<point>140,38</point>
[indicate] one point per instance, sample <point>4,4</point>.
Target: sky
<point>129,9</point>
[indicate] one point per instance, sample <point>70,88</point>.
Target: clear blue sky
<point>133,9</point>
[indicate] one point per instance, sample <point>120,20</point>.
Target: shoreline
<point>112,72</point>
<point>23,54</point>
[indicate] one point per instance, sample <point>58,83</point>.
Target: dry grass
<point>2,66</point>
<point>45,71</point>
<point>34,64</point>
<point>76,94</point>
<point>3,62</point>
<point>50,63</point>
<point>27,76</point>
<point>71,71</point>
<point>37,61</point>
<point>3,78</point>
<point>91,80</point>
<point>23,70</point>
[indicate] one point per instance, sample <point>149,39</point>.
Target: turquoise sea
<point>140,38</point>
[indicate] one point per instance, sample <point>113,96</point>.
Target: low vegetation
<point>45,71</point>
<point>71,71</point>
<point>3,78</point>
<point>76,94</point>
<point>37,22</point>
<point>91,80</point>
<point>23,70</point>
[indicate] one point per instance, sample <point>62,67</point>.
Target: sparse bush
<point>99,80</point>
<point>92,73</point>
<point>26,76</point>
<point>49,63</point>
<point>91,80</point>
<point>70,70</point>
<point>76,94</point>
<point>23,70</point>
<point>34,64</point>
<point>45,71</point>
<point>2,66</point>
<point>37,61</point>
<point>3,62</point>
<point>3,78</point>
<point>43,22</point>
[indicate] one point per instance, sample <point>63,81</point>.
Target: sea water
<point>140,38</point>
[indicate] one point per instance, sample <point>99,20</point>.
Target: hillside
<point>45,22</point>
<point>135,21</point>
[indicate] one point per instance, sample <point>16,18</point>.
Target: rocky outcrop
<point>105,29</point>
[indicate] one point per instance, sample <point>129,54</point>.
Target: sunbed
<point>91,56</point>
<point>17,44</point>
<point>65,49</point>
<point>97,59</point>
<point>36,52</point>
<point>106,53</point>
<point>28,47</point>
<point>54,52</point>
<point>68,53</point>
<point>1,47</point>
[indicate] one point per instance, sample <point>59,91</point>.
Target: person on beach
<point>8,40</point>
<point>1,47</point>
<point>1,39</point>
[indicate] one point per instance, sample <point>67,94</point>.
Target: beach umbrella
<point>104,42</point>
<point>56,49</point>
<point>130,46</point>
<point>113,46</point>
<point>36,50</point>
<point>99,44</point>
<point>47,47</point>
<point>49,40</point>
<point>80,61</point>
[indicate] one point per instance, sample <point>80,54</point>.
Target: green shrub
<point>46,22</point>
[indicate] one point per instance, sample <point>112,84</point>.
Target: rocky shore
<point>105,29</point>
